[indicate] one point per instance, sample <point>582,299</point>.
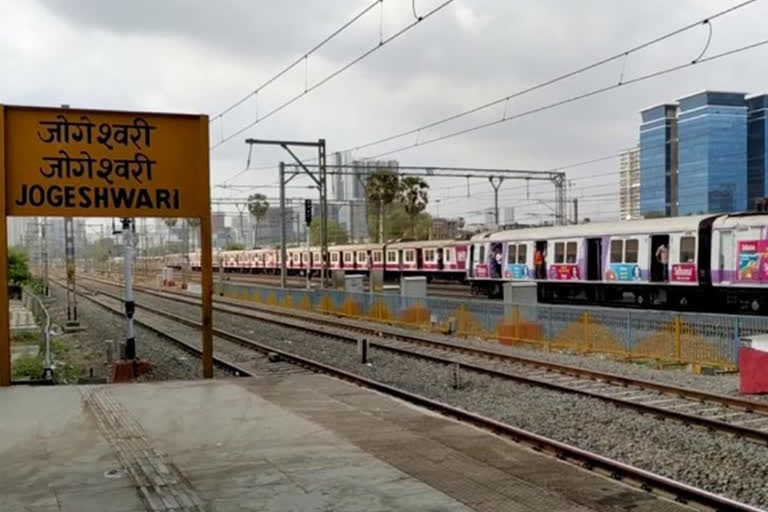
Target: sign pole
<point>206,277</point>
<point>5,328</point>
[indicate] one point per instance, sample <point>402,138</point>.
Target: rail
<point>43,319</point>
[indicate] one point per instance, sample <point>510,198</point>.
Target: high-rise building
<point>658,161</point>
<point>757,142</point>
<point>712,145</point>
<point>629,184</point>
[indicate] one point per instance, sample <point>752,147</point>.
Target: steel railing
<point>43,319</point>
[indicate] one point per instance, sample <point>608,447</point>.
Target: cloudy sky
<point>202,56</point>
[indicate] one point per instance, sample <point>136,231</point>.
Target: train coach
<point>703,262</point>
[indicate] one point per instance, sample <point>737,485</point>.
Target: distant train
<point>708,262</point>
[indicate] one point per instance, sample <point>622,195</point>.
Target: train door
<point>594,259</point>
<point>440,260</point>
<point>419,259</point>
<point>540,259</point>
<point>659,255</point>
<point>726,260</point>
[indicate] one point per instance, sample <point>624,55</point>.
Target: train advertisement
<point>753,260</point>
<point>623,272</point>
<point>564,272</point>
<point>683,273</point>
<point>517,271</point>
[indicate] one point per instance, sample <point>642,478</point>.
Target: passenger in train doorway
<point>662,256</point>
<point>538,263</point>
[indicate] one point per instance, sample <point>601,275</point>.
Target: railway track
<point>629,474</point>
<point>743,418</point>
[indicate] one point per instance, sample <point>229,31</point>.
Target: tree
<point>100,250</point>
<point>336,232</point>
<point>18,267</point>
<point>382,188</point>
<point>398,224</point>
<point>412,195</point>
<point>257,206</point>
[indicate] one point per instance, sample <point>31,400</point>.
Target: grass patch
<point>26,338</point>
<point>28,367</point>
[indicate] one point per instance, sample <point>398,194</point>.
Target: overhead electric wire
<point>623,54</point>
<point>307,90</point>
<point>297,61</point>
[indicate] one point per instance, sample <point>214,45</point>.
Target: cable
<point>333,75</point>
<point>624,54</point>
<point>571,99</point>
<point>295,63</point>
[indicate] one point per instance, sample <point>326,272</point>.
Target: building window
<point>522,251</point>
<point>570,252</point>
<point>688,249</point>
<point>559,252</point>
<point>511,254</point>
<point>617,251</point>
<point>631,249</point>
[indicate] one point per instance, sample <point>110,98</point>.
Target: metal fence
<point>684,338</point>
<point>33,303</point>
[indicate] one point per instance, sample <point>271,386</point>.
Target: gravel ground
<point>88,348</point>
<point>710,460</point>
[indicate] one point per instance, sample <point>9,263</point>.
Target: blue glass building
<point>658,161</point>
<point>757,141</point>
<point>712,153</point>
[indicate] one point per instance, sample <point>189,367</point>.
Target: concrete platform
<point>21,319</point>
<point>298,443</point>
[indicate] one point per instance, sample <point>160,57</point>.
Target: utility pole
<point>130,305</point>
<point>69,252</point>
<point>496,182</point>
<point>185,269</point>
<point>283,230</point>
<point>575,210</point>
<point>44,256</point>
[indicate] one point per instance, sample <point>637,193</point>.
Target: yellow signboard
<point>90,163</point>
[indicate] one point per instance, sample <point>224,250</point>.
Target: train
<point>716,262</point>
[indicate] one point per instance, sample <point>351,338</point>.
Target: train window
<point>408,256</point>
<point>511,254</point>
<point>377,256</point>
<point>316,257</point>
<point>304,257</point>
<point>335,257</point>
<point>391,256</point>
<point>481,256</point>
<point>559,252</point>
<point>570,252</point>
<point>347,257</point>
<point>631,248</point>
<point>447,255</point>
<point>617,251</point>
<point>687,249</point>
<point>361,256</point>
<point>429,255</point>
<point>522,249</point>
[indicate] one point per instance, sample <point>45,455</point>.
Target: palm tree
<point>382,187</point>
<point>412,194</point>
<point>257,206</point>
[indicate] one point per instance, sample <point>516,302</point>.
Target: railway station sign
<point>61,162</point>
<point>80,163</point>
